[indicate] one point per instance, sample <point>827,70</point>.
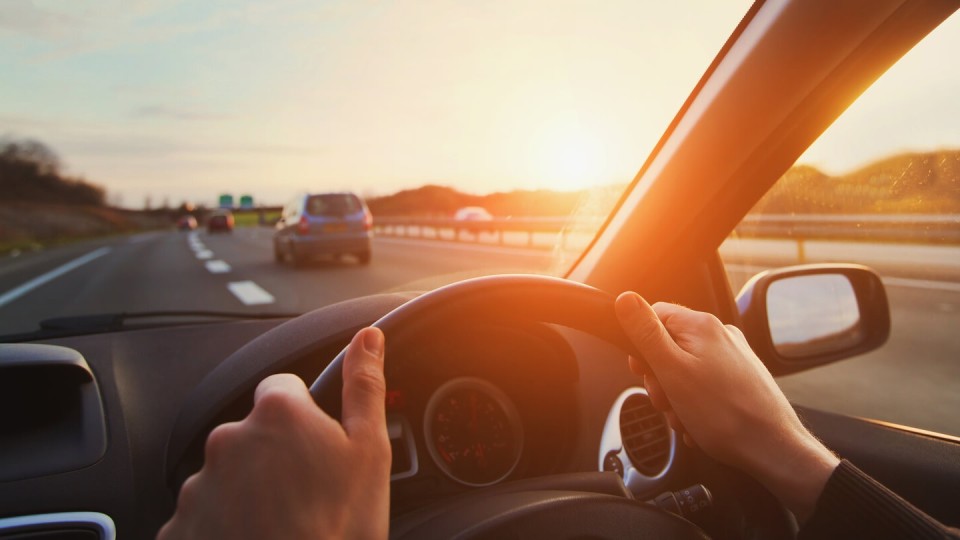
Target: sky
<point>176,100</point>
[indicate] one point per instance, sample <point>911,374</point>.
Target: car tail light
<point>303,227</point>
<point>367,221</point>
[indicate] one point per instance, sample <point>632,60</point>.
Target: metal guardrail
<point>912,228</point>
<point>917,228</point>
<point>433,227</point>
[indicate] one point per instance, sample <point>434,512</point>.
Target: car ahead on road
<point>472,213</point>
<point>473,218</point>
<point>106,416</point>
<point>220,221</point>
<point>323,224</point>
<point>187,223</point>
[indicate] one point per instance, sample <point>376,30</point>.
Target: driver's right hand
<point>715,390</point>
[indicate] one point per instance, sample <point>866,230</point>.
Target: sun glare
<point>568,158</point>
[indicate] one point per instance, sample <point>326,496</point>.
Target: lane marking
<point>17,292</point>
<point>197,246</point>
<point>250,293</point>
<point>910,283</point>
<point>205,254</point>
<point>218,267</point>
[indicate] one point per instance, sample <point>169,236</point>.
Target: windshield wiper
<point>113,322</point>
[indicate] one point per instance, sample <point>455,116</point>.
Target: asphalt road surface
<point>913,380</point>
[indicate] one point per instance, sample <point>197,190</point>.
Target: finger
<point>168,530</point>
<point>364,388</point>
<point>281,384</point>
<point>733,329</point>
<point>673,317</point>
<point>283,400</point>
<point>219,442</point>
<point>638,365</point>
<point>645,330</point>
<point>655,392</point>
<point>281,397</point>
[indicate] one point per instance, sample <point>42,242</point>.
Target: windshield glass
<point>881,188</point>
<point>125,125</point>
<point>332,205</point>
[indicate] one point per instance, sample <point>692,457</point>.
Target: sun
<point>569,158</point>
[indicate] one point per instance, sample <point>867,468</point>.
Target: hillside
<point>909,183</point>
<point>442,201</point>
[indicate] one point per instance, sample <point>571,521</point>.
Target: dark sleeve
<point>853,505</point>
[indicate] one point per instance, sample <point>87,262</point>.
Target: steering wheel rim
<point>527,297</point>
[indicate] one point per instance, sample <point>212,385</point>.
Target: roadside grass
<point>13,248</point>
<point>29,226</point>
<point>252,218</point>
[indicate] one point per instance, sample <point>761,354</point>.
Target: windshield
<point>332,205</point>
<point>126,125</point>
<point>881,188</point>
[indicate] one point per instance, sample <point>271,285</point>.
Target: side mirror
<point>799,317</point>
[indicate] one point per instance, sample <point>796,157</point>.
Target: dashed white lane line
<point>247,292</point>
<point>17,292</point>
<point>217,267</point>
<point>250,293</point>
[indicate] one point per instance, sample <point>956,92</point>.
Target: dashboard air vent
<point>645,435</point>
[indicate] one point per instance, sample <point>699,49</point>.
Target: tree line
<point>32,171</point>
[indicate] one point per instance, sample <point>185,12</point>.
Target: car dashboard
<point>481,405</point>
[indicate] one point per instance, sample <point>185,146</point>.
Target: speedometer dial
<point>473,432</point>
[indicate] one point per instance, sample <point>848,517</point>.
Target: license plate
<point>335,227</point>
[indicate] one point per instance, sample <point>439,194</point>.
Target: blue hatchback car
<point>323,224</point>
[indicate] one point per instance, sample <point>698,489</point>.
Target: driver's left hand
<point>288,470</point>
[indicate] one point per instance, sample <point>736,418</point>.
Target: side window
<point>881,187</point>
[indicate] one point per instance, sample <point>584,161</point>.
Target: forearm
<point>796,473</point>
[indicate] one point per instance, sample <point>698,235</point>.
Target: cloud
<point>75,28</point>
<point>23,17</point>
<point>120,147</point>
<point>81,140</point>
<point>174,113</point>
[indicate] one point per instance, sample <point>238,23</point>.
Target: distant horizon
<point>184,101</point>
<point>174,202</point>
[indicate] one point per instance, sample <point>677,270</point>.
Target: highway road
<point>913,380</point>
<point>230,272</point>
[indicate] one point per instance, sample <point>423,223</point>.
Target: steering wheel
<point>544,510</point>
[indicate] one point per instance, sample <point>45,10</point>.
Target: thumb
<point>364,388</point>
<point>643,327</point>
